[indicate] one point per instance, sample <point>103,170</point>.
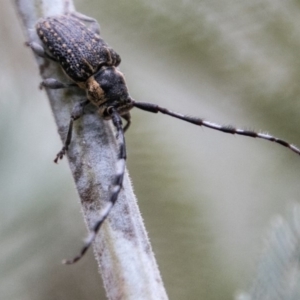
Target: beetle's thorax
<point>94,92</point>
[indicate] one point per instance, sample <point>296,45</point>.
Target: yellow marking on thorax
<point>94,92</point>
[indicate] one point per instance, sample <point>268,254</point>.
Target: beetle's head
<point>107,86</point>
<point>112,82</point>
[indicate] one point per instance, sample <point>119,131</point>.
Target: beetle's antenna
<point>115,189</point>
<point>200,122</point>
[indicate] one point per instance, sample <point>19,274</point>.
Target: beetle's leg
<point>39,50</point>
<point>52,83</point>
<point>94,25</point>
<point>127,118</point>
<point>77,112</point>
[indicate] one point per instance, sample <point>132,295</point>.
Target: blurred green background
<point>207,198</point>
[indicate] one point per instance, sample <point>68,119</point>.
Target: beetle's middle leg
<point>52,83</point>
<point>40,51</point>
<point>77,112</point>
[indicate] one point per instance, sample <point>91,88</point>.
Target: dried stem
<point>122,249</point>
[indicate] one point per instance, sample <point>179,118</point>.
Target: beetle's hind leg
<point>94,25</point>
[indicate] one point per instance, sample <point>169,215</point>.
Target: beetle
<point>92,65</point>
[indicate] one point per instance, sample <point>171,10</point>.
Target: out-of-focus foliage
<point>207,197</point>
<point>278,272</point>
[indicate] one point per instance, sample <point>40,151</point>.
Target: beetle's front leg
<point>127,118</point>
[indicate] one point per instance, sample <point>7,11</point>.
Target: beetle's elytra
<point>80,51</point>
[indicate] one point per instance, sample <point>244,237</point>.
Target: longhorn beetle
<point>92,65</point>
